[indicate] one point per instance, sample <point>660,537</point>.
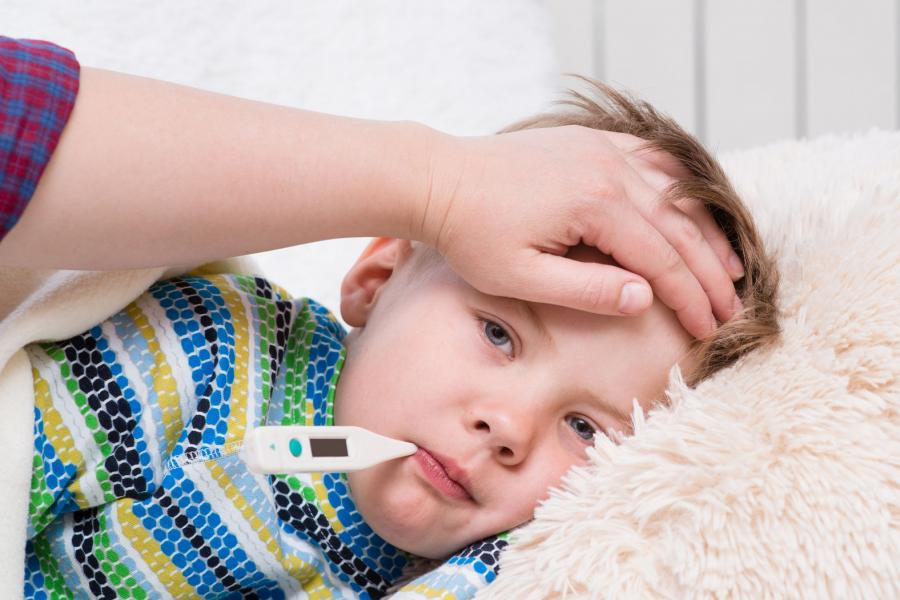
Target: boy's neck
<point>319,505</point>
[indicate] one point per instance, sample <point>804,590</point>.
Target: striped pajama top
<point>137,488</point>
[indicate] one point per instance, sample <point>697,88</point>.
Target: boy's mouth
<point>444,474</point>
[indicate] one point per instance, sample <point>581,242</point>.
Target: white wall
<point>743,72</point>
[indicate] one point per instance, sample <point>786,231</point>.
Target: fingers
<point>689,243</point>
<point>635,148</point>
<point>661,170</point>
<point>586,286</point>
<point>695,209</point>
<point>720,294</point>
<point>714,235</point>
<point>636,244</point>
<point>641,248</point>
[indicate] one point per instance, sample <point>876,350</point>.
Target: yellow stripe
<point>59,435</point>
<point>307,341</point>
<point>318,481</point>
<point>54,428</point>
<point>305,573</point>
<point>428,592</point>
<point>163,381</point>
<point>280,291</point>
<point>237,417</point>
<point>205,270</point>
<point>151,552</point>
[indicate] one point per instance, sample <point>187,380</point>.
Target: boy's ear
<point>362,283</point>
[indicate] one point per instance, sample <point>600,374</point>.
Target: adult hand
<point>524,198</point>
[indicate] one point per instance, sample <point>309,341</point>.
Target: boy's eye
<point>497,336</point>
<point>582,428</point>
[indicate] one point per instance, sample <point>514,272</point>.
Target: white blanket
<point>49,305</point>
<point>779,476</point>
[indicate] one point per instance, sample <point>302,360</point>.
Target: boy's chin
<point>402,513</point>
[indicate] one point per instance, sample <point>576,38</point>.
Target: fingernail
<point>634,298</point>
<point>713,325</point>
<point>737,267</point>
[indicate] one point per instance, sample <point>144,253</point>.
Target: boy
<point>138,490</point>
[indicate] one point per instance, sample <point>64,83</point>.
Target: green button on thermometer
<point>295,446</point>
<point>302,449</point>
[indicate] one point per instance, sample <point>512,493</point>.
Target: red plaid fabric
<point>38,84</point>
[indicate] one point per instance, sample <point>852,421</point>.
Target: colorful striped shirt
<point>138,490</point>
<point>38,84</point>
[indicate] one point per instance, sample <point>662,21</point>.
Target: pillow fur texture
<point>780,475</point>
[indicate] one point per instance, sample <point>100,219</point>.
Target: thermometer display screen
<point>327,447</point>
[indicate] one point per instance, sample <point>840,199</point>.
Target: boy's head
<point>504,395</point>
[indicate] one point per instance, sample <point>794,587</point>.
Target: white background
<point>740,73</point>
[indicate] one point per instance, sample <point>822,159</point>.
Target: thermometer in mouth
<point>305,449</point>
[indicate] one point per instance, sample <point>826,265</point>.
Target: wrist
<point>419,196</point>
<point>445,166</point>
<point>371,177</point>
<point>407,165</point>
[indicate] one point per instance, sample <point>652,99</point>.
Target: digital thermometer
<point>305,449</point>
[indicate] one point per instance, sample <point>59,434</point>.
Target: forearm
<point>152,173</point>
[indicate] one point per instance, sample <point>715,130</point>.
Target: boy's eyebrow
<point>528,313</point>
<point>622,416</point>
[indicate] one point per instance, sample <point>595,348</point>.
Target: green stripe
<point>41,499</point>
<point>116,572</point>
<point>54,582</point>
<point>265,317</point>
<point>296,359</point>
<point>90,419</point>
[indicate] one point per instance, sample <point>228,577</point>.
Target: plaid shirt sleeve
<point>38,83</point>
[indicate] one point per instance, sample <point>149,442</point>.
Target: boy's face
<point>506,402</point>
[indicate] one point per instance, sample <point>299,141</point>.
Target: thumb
<point>587,286</point>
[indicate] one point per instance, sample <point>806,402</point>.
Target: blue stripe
<point>177,548</point>
<point>213,376</point>
<point>34,579</point>
<point>139,352</point>
<point>252,493</point>
<point>57,474</point>
<point>324,353</point>
<point>57,537</point>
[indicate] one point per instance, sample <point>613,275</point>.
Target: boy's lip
<point>452,470</point>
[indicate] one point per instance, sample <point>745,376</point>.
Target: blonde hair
<point>756,325</point>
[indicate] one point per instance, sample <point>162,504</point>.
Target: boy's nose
<point>508,432</point>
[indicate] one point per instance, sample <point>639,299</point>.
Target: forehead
<point>633,352</point>
<point>616,358</point>
<point>613,358</point>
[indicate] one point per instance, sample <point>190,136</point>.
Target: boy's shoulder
<point>217,296</point>
<point>245,284</point>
